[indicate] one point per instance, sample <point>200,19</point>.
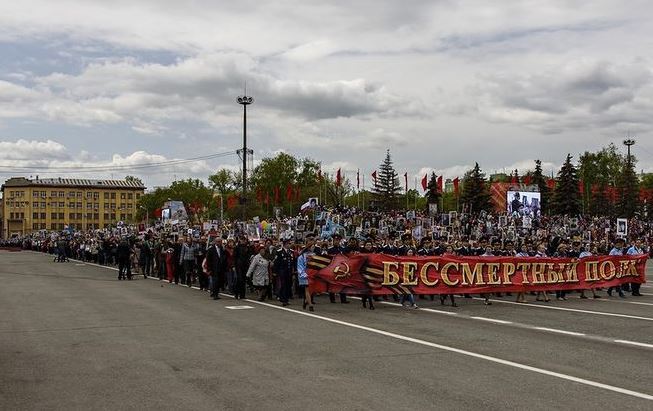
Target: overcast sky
<point>440,83</point>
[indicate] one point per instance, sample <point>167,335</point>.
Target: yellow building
<point>57,203</point>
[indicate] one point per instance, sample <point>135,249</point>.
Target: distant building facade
<point>31,205</point>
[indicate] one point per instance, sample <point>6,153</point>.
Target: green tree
<point>387,187</point>
<point>136,180</point>
<point>566,197</point>
<point>222,182</point>
<point>537,178</point>
<point>598,172</point>
<point>475,194</point>
<point>628,191</point>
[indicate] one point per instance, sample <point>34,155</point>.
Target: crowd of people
<point>269,260</point>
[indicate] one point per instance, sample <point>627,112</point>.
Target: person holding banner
<point>635,249</point>
<point>617,250</point>
<point>302,275</point>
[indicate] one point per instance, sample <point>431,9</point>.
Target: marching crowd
<point>224,259</point>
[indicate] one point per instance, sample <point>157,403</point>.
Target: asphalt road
<point>74,337</point>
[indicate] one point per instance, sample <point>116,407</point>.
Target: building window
<point>71,205</point>
<point>79,205</point>
<point>43,216</point>
<point>35,216</point>
<point>62,194</point>
<point>71,194</point>
<point>35,204</point>
<point>11,215</point>
<point>130,196</point>
<point>60,226</point>
<point>62,216</point>
<point>122,217</point>
<point>35,226</point>
<point>106,206</point>
<point>42,194</point>
<point>53,226</point>
<point>53,216</point>
<point>113,206</point>
<point>130,206</point>
<point>113,217</point>
<point>113,196</point>
<point>96,206</point>
<point>53,193</point>
<point>89,216</point>
<point>71,216</point>
<point>138,196</point>
<point>89,206</point>
<point>43,204</point>
<point>96,216</point>
<point>34,193</point>
<point>106,216</point>
<point>62,204</point>
<point>123,196</point>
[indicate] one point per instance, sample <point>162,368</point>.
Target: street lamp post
<point>245,101</point>
<point>629,142</point>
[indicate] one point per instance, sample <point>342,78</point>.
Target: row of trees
<point>601,183</point>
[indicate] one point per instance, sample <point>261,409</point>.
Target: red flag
<point>406,178</point>
<point>374,176</point>
<point>440,184</point>
<point>232,201</point>
<point>456,185</point>
<point>551,183</point>
<point>425,182</point>
<point>358,179</point>
<point>277,189</point>
<point>527,180</point>
<point>515,180</point>
<point>289,192</point>
<point>157,213</point>
<point>338,178</point>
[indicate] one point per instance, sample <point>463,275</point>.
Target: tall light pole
<point>629,142</point>
<point>245,101</point>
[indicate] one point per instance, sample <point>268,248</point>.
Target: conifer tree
<point>387,187</point>
<point>475,194</point>
<point>539,180</point>
<point>628,191</point>
<point>566,196</point>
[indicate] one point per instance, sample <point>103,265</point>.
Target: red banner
<point>378,274</point>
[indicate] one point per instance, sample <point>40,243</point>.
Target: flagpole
<point>415,182</point>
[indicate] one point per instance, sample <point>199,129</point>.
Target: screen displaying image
<point>524,203</point>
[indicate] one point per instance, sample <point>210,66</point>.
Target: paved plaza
<point>74,337</point>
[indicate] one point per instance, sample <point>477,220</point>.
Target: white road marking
<point>639,344</point>
<point>431,310</point>
<point>634,317</point>
<point>79,264</point>
<point>492,320</point>
<point>607,300</point>
<point>525,326</point>
<point>239,307</point>
<point>553,330</point>
<point>466,353</point>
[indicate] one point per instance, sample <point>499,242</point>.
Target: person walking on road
<point>216,264</point>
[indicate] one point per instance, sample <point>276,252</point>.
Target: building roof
<point>72,182</point>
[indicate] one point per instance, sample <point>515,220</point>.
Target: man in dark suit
<point>216,262</point>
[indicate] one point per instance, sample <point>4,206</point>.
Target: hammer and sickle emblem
<point>341,272</point>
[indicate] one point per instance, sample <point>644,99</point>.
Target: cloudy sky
<point>441,83</point>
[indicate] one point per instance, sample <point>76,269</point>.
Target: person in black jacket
<point>284,261</point>
<point>216,262</point>
<point>242,255</point>
<point>123,252</point>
